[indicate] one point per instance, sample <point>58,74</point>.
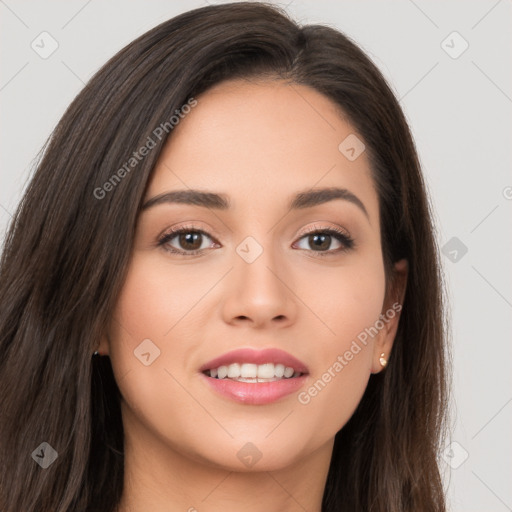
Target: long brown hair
<point>67,249</point>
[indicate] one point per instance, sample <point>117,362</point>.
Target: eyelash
<point>341,236</point>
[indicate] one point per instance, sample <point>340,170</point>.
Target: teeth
<point>233,371</point>
<point>266,371</point>
<point>248,372</point>
<point>288,372</point>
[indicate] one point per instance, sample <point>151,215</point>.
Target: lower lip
<point>257,393</point>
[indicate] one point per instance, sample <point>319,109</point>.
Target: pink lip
<point>248,355</point>
<point>257,393</point>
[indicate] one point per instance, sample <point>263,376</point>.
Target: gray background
<point>459,111</point>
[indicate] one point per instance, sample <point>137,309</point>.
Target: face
<point>296,288</point>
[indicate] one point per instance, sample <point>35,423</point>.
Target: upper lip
<point>249,355</point>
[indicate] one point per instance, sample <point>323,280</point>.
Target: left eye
<point>321,241</point>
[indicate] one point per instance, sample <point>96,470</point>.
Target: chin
<point>256,452</point>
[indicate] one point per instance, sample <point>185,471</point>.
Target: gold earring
<point>383,361</point>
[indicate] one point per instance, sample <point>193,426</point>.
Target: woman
<point>221,289</point>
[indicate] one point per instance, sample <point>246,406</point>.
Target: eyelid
<point>315,228</point>
<point>176,228</point>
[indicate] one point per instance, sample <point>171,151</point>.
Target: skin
<point>259,143</point>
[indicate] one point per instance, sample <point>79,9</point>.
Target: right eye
<point>190,241</point>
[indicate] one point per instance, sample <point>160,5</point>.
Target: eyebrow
<point>302,200</point>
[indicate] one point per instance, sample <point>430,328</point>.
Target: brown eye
<point>185,241</point>
<point>190,241</point>
<point>320,241</point>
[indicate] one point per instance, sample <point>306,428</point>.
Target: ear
<point>390,315</point>
<point>104,346</point>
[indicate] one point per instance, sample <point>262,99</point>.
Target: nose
<point>259,294</point>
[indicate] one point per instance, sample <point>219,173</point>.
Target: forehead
<point>261,141</point>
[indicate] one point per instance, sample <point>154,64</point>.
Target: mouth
<point>255,377</point>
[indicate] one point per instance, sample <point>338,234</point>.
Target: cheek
<point>148,309</point>
<point>150,319</point>
<point>345,300</point>
<point>350,306</point>
<point>156,301</point>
